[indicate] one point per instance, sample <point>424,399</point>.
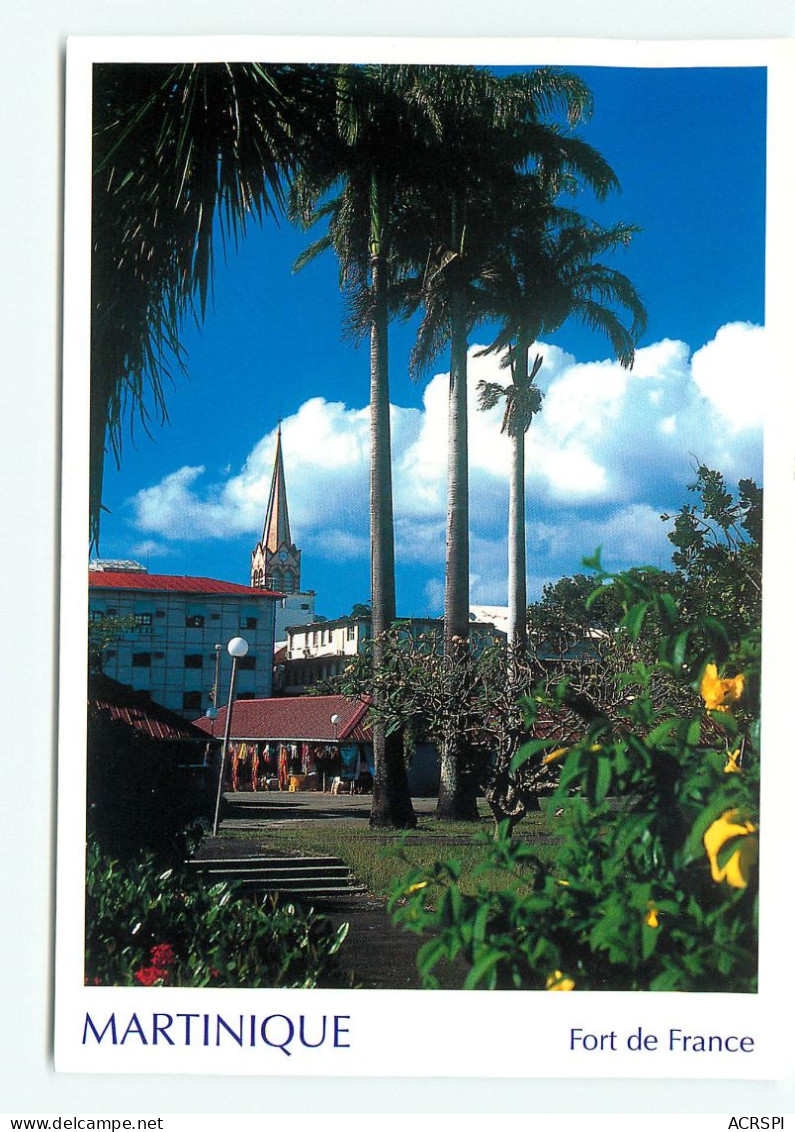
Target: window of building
<point>191,701</point>
<point>160,613</point>
<point>111,611</point>
<point>143,618</point>
<point>194,660</point>
<point>142,660</point>
<point>305,605</point>
<point>96,615</point>
<point>194,621</point>
<point>246,663</point>
<point>248,622</point>
<point>351,632</point>
<point>244,696</point>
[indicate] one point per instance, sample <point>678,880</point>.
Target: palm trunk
<point>391,799</point>
<point>517,553</point>
<point>458,781</point>
<point>456,589</point>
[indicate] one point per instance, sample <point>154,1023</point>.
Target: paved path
<point>242,810</point>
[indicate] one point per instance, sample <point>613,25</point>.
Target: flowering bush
<point>653,885</point>
<point>146,926</point>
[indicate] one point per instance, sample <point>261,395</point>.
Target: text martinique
<point>277,1031</point>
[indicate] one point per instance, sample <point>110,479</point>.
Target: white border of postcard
<point>422,1033</point>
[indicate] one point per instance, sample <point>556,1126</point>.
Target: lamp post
<point>236,648</point>
<point>335,722</point>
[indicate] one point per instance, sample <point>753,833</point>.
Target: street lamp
<point>335,722</point>
<point>236,648</point>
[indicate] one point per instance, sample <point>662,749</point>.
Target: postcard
<point>423,401</point>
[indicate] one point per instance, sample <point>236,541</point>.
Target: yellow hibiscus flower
<point>736,870</point>
<point>732,762</point>
<point>558,981</point>
<point>652,920</point>
<point>719,693</point>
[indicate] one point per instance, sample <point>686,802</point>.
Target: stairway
<point>300,878</point>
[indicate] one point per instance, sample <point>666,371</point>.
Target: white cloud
<point>731,371</point>
<point>610,450</point>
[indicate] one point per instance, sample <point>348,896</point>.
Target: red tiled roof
<point>293,718</point>
<point>280,656</point>
<point>137,710</point>
<point>170,583</point>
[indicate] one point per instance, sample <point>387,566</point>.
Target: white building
<point>171,652</point>
<point>320,651</point>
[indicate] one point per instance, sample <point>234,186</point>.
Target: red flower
<point>148,976</point>
<point>162,955</point>
<point>214,972</point>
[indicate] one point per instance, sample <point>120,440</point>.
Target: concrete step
<point>300,877</point>
<point>299,892</point>
<point>278,863</point>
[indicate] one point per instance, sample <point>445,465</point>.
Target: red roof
<point>137,710</point>
<point>294,718</point>
<point>170,583</point>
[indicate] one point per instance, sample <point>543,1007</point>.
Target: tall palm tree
<point>486,131</point>
<point>522,401</point>
<point>543,275</point>
<point>365,166</point>
<point>181,154</point>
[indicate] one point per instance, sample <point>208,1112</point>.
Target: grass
<point>381,859</point>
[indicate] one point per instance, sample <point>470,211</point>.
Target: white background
<point>31,83</point>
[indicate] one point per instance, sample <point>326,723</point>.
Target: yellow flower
<point>416,887</point>
<point>718,693</point>
<point>565,883</point>
<point>558,981</point>
<point>553,756</point>
<point>652,920</point>
<point>732,762</point>
<point>735,871</point>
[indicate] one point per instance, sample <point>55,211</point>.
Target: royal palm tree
<point>544,274</point>
<point>355,183</point>
<point>486,131</point>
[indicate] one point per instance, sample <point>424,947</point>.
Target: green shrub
<point>148,926</point>
<point>653,886</point>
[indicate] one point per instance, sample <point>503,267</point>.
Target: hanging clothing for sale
<point>351,763</point>
<point>254,766</point>
<point>284,770</point>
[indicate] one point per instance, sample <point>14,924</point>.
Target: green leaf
<point>661,731</point>
<point>634,618</point>
<point>604,773</point>
<point>484,966</point>
<point>693,735</point>
<point>680,650</point>
<point>648,939</point>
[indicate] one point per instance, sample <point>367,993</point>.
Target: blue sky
<point>610,450</point>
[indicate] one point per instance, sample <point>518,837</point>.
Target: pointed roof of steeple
<point>277,520</point>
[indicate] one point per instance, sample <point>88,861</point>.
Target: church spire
<point>277,519</point>
<point>275,560</point>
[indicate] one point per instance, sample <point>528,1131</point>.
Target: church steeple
<point>275,560</point>
<point>277,519</point>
